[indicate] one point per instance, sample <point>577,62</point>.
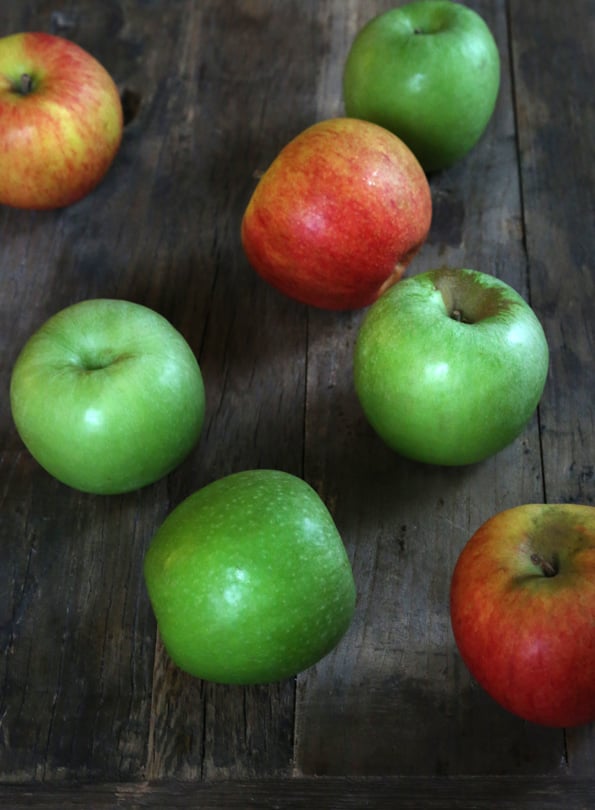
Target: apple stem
<point>26,84</point>
<point>459,316</point>
<point>548,569</point>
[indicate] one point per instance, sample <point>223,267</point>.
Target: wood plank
<point>556,122</point>
<point>76,629</point>
<point>87,693</point>
<point>252,101</point>
<point>394,698</point>
<point>407,793</point>
<point>163,230</point>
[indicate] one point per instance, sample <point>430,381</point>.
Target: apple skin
<point>528,637</point>
<point>449,366</point>
<point>429,71</point>
<point>59,136</point>
<point>338,215</point>
<point>107,396</point>
<point>249,579</point>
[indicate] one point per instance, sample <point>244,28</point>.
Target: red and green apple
<point>429,71</point>
<point>338,215</point>
<point>107,396</point>
<point>522,607</point>
<point>450,365</point>
<point>249,579</point>
<point>60,121</point>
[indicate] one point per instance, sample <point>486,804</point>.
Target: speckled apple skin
<point>249,579</point>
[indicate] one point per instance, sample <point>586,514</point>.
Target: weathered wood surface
<point>87,694</point>
<point>380,793</point>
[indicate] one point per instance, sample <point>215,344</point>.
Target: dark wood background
<point>92,712</point>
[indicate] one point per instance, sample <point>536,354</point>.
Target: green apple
<point>449,366</point>
<point>60,121</point>
<point>249,579</point>
<point>429,71</point>
<point>107,396</point>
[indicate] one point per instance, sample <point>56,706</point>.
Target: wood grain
<point>408,793</point>
<point>396,680</point>
<point>92,711</point>
<point>556,122</point>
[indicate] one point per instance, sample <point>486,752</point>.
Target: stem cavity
<point>548,569</point>
<point>25,85</point>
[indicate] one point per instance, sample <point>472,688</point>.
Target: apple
<point>429,71</point>
<point>60,121</point>
<point>107,396</point>
<point>449,366</point>
<point>338,215</point>
<point>249,579</point>
<point>522,607</point>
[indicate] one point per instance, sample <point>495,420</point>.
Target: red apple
<point>60,121</point>
<point>338,215</point>
<point>523,611</point>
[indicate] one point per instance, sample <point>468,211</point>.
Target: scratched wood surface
<point>92,712</point>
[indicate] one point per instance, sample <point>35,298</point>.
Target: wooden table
<point>92,712</point>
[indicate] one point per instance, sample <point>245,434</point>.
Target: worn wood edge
<point>463,792</point>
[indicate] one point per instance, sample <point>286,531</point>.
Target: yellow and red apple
<point>338,215</point>
<point>523,611</point>
<point>60,121</point>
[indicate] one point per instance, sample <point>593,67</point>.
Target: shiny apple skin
<point>249,579</point>
<point>107,396</point>
<point>338,215</point>
<point>450,365</point>
<point>58,139</point>
<point>528,637</point>
<point>429,71</point>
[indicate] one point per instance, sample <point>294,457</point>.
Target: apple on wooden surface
<point>249,579</point>
<point>338,215</point>
<point>107,396</point>
<point>60,121</point>
<point>449,366</point>
<point>523,611</point>
<point>429,71</point>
